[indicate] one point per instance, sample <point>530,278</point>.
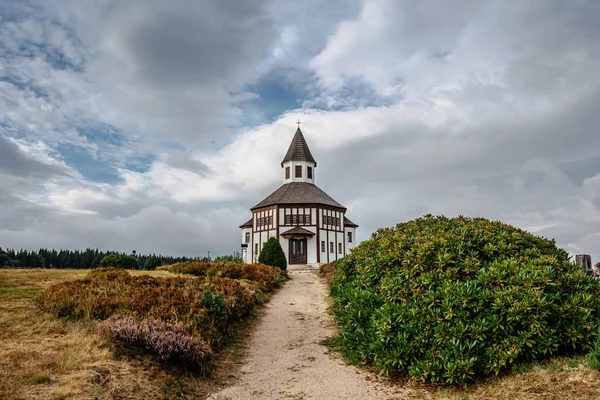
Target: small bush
<point>272,254</point>
<point>167,342</point>
<point>121,261</point>
<point>41,379</point>
<point>593,357</point>
<point>327,271</point>
<point>448,301</point>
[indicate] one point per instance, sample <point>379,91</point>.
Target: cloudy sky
<point>155,125</point>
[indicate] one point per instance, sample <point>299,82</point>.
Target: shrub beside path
<point>286,357</point>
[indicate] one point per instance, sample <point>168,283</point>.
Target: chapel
<point>311,226</point>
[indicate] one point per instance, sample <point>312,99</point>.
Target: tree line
<point>86,259</point>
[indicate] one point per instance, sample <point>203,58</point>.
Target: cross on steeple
<point>298,123</point>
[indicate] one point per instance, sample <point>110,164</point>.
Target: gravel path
<point>286,360</point>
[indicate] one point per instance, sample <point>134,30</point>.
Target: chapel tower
<point>310,225</point>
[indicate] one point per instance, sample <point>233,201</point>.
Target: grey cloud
<point>182,160</point>
<point>201,43</point>
<point>14,162</point>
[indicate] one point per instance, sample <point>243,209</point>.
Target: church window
<point>247,237</point>
<point>298,171</point>
<point>287,172</point>
<point>322,246</point>
<point>349,237</point>
<point>309,172</point>
<point>288,219</point>
<point>331,248</point>
<point>340,248</point>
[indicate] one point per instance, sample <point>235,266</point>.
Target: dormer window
<point>309,172</point>
<point>287,172</point>
<point>298,171</point>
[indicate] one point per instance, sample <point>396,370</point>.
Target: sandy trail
<point>285,359</point>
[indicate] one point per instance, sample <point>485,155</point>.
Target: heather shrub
<point>169,343</point>
<point>109,291</point>
<point>327,271</point>
<point>272,254</point>
<point>173,311</point>
<point>450,300</point>
<point>190,268</point>
<point>265,276</point>
<point>119,261</point>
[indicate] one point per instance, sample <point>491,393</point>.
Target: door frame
<point>300,244</point>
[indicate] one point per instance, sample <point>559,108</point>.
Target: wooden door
<point>297,251</point>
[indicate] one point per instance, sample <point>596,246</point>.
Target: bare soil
<point>287,358</point>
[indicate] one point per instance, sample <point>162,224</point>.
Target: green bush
<point>121,261</point>
<point>452,300</point>
<point>593,358</point>
<point>272,254</point>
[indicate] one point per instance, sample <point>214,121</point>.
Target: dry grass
<point>558,379</point>
<point>45,358</point>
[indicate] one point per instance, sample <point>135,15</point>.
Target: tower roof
<point>298,193</point>
<point>298,150</point>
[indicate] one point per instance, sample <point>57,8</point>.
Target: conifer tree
<point>272,254</point>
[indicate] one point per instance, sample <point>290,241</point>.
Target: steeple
<point>298,150</point>
<point>299,164</point>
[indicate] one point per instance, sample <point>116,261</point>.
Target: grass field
<point>42,357</point>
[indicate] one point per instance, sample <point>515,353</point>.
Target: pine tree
<point>272,254</point>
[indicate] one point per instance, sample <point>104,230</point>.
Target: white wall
<point>313,247</point>
<point>248,258</point>
<point>350,246</point>
<point>304,178</point>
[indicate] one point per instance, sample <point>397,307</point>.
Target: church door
<point>297,251</point>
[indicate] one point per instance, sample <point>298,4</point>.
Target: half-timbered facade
<point>311,226</point>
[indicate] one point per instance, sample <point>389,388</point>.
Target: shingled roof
<point>349,223</point>
<point>298,150</point>
<point>247,224</point>
<point>298,193</point>
<point>298,231</point>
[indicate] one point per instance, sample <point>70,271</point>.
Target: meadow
<point>44,355</point>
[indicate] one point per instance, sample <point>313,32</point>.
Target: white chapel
<point>311,226</point>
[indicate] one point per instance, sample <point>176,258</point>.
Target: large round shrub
<point>450,300</point>
<point>272,254</point>
<point>119,261</point>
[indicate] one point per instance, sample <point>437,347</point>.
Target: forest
<point>86,259</point>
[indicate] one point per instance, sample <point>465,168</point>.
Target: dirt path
<point>285,359</point>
